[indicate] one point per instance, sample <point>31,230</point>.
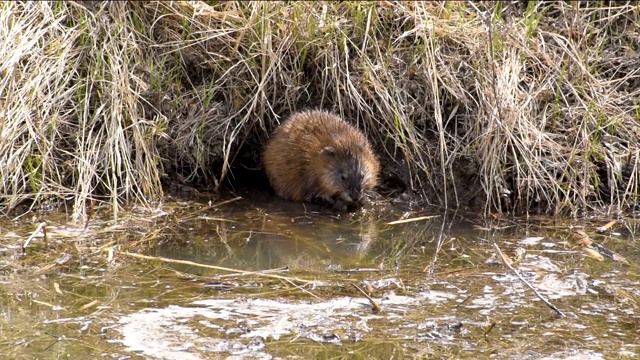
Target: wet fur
<point>315,156</point>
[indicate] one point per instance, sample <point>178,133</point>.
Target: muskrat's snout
<point>356,197</point>
<point>350,200</point>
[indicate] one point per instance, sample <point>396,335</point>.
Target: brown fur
<point>315,155</point>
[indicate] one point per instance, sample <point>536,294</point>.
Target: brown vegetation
<point>507,105</point>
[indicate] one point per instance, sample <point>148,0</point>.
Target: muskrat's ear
<point>328,151</point>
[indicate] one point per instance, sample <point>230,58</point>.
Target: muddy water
<point>263,278</point>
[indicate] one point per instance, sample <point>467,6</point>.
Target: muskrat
<point>315,156</point>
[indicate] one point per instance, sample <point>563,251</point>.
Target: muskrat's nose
<point>346,197</point>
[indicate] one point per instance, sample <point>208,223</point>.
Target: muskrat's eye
<point>343,177</point>
<point>328,151</point>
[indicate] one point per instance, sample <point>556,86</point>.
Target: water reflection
<point>250,236</point>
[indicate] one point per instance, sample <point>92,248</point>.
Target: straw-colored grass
<point>501,105</point>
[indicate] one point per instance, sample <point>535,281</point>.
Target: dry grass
<point>70,125</point>
<point>504,105</point>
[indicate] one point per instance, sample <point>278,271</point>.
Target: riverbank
<point>496,106</point>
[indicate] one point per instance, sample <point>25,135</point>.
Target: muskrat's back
<point>315,155</point>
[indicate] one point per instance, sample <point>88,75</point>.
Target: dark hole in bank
<point>246,172</point>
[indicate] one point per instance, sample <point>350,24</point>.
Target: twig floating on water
<point>208,207</point>
<point>374,304</point>
<point>33,234</point>
<point>358,270</point>
<point>267,271</point>
<point>302,289</point>
<point>412,219</point>
<point>225,202</point>
<point>488,329</point>
<point>215,219</point>
<point>544,300</point>
<point>606,227</point>
<point>241,272</point>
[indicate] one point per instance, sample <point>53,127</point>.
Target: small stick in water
<point>374,304</point>
<point>33,234</point>
<point>488,330</point>
<point>504,260</point>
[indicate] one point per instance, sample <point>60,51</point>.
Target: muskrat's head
<point>343,176</point>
